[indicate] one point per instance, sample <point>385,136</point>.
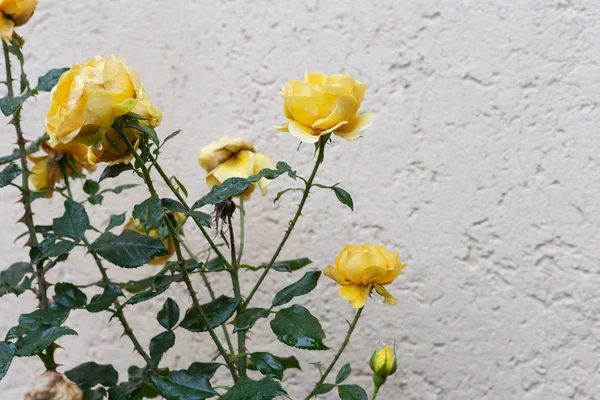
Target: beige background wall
<point>481,169</point>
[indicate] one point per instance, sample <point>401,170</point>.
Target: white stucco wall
<point>481,169</point>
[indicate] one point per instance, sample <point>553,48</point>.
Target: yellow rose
<point>322,104</point>
<point>14,13</point>
<point>46,171</point>
<point>89,97</point>
<point>360,268</point>
<point>233,157</point>
<point>134,225</point>
<point>383,362</point>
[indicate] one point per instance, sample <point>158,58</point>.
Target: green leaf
<point>145,295</point>
<point>217,312</point>
<point>305,285</point>
<point>146,129</point>
<point>7,353</point>
<point>181,385</point>
<point>173,205</point>
<point>54,316</point>
<point>90,186</point>
<point>343,196</point>
<point>8,105</point>
<point>9,174</point>
<point>115,220</point>
<point>128,250</point>
<point>68,295</point>
<point>151,283</point>
<point>291,265</point>
<point>281,193</point>
<point>343,373</point>
<point>12,279</point>
<point>181,186</point>
<point>236,186</point>
<point>352,392</point>
<point>171,136</point>
<point>272,366</point>
<point>297,327</point>
<point>90,374</point>
<point>94,394</point>
<point>215,265</point>
<point>96,199</point>
<point>205,370</point>
<point>50,79</point>
<point>324,388</point>
<point>247,318</point>
<point>101,302</point>
<point>265,389</point>
<point>160,344</point>
<point>73,223</point>
<point>120,188</point>
<point>150,213</point>
<point>169,314</point>
<point>37,340</point>
<point>50,247</point>
<point>30,149</point>
<point>112,171</point>
<point>201,218</point>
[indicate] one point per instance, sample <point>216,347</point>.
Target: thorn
<point>28,243</point>
<point>22,220</point>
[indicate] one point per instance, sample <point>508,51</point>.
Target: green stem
<point>292,224</point>
<point>338,354</point>
<point>211,292</point>
<point>203,317</point>
<point>235,280</point>
<point>28,217</point>
<point>166,179</point>
<point>106,280</point>
<point>375,391</point>
<point>184,272</point>
<point>242,230</point>
<point>119,312</point>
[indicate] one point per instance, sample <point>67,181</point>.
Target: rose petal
<point>387,297</point>
<point>331,272</point>
<point>303,109</point>
<point>302,132</point>
<point>262,161</point>
<point>7,27</point>
<point>357,295</point>
<point>240,165</point>
<point>345,110</point>
<point>354,129</point>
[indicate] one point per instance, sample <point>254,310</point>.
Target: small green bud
<point>383,362</point>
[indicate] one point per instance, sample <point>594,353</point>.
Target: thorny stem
<point>48,359</point>
<point>203,317</point>
<point>292,224</point>
<point>242,230</point>
<point>338,354</point>
<point>166,179</point>
<point>173,234</point>
<point>235,280</point>
<point>28,217</point>
<point>211,292</point>
<point>119,312</point>
<point>106,280</point>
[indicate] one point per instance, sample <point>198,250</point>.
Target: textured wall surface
<point>481,169</point>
